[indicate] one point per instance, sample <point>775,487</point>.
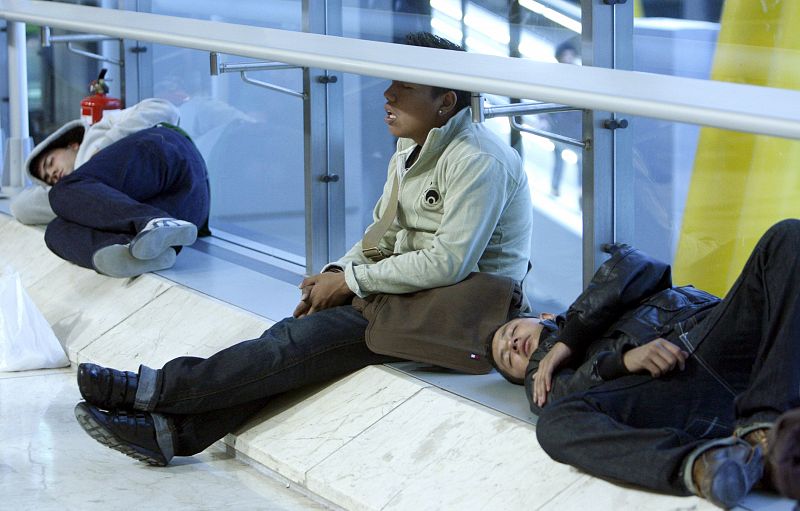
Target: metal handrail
<point>48,39</point>
<point>271,86</point>
<point>218,67</point>
<point>546,134</point>
<point>517,109</point>
<point>95,56</point>
<point>748,108</point>
<point>481,112</point>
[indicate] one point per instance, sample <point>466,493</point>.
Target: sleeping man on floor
<point>121,196</point>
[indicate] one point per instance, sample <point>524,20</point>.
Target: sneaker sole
<point>106,437</point>
<point>150,244</point>
<point>116,261</point>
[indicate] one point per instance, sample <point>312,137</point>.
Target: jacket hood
<point>72,131</point>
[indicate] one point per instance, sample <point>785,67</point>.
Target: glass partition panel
<point>727,40</point>
<point>368,146</point>
<point>250,137</point>
<point>554,176</point>
<point>703,196</point>
<point>280,14</point>
<point>252,141</point>
<point>58,79</point>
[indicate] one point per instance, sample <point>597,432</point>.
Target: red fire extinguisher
<point>92,107</point>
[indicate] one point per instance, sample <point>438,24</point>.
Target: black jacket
<point>629,302</point>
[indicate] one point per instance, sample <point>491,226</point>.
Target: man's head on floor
<point>54,158</point>
<point>512,347</point>
<point>56,163</point>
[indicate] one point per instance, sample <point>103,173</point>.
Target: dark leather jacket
<point>629,302</point>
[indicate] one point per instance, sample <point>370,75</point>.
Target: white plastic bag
<point>26,339</point>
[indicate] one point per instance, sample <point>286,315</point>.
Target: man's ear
<point>449,100</point>
<point>74,146</point>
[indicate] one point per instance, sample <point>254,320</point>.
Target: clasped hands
<point>322,291</point>
<point>658,357</point>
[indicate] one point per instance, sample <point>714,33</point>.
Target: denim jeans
<point>743,369</point>
<point>156,172</point>
<point>204,399</point>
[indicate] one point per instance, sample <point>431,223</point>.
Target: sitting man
<point>120,196</point>
<point>670,388</point>
<point>464,206</point>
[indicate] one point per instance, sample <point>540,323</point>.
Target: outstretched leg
<point>200,400</point>
<point>290,354</point>
<point>752,339</point>
<point>638,430</point>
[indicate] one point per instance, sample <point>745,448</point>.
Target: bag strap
<point>369,245</point>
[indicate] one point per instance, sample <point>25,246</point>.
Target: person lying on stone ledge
<point>669,388</point>
<point>121,196</point>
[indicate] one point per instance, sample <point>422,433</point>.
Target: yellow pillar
<point>742,183</point>
<point>638,12</point>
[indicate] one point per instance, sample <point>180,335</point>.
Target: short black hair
<point>428,40</point>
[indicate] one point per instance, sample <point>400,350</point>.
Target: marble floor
<point>48,463</point>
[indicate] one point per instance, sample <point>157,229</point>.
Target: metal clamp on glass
<point>374,254</point>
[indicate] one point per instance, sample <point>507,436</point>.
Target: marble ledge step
<point>376,439</point>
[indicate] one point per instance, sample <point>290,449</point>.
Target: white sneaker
<point>159,234</point>
<point>117,261</point>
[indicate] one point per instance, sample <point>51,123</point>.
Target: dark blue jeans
<point>153,173</point>
<point>744,369</point>
<point>207,398</point>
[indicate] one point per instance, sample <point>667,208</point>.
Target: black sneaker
<point>131,433</point>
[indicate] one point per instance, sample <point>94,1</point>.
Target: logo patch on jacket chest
<point>431,199</point>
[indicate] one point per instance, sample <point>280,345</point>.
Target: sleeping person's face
<point>413,110</point>
<point>513,344</point>
<point>56,164</point>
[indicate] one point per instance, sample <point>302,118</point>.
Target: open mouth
<point>389,117</point>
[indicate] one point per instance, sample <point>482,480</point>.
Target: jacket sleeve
<point>604,364</point>
<point>624,280</point>
<point>479,190</point>
<point>32,206</point>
